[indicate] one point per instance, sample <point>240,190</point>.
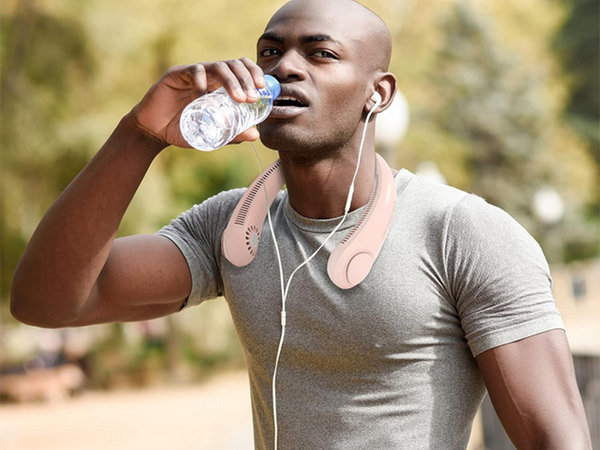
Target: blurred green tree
<point>578,43</point>
<point>512,130</point>
<point>496,109</point>
<point>41,56</point>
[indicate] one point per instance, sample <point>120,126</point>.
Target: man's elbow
<point>576,439</point>
<point>27,309</point>
<point>572,433</point>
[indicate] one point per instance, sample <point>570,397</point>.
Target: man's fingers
<point>251,134</point>
<point>228,79</point>
<point>245,78</point>
<point>255,71</point>
<point>257,74</point>
<point>197,77</point>
<point>182,77</point>
<point>240,78</point>
<point>160,109</point>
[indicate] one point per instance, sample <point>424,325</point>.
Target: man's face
<point>317,56</point>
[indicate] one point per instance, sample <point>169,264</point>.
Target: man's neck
<point>318,189</point>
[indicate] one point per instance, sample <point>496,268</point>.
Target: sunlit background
<point>498,97</point>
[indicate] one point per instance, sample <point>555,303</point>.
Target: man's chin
<point>291,138</point>
<point>282,138</point>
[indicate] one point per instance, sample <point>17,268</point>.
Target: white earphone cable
<point>283,314</point>
<point>284,291</point>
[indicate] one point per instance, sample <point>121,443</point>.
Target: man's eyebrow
<point>275,37</point>
<point>318,38</point>
<point>268,36</point>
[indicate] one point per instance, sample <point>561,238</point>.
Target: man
<point>460,294</point>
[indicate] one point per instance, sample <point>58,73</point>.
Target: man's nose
<point>290,66</point>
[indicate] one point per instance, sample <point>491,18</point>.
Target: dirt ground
<point>213,415</point>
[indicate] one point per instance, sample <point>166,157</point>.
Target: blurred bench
<point>42,384</point>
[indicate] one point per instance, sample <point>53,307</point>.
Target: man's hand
<point>159,111</point>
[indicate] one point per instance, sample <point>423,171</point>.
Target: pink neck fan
<point>352,259</point>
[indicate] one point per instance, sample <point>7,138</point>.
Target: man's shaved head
<point>356,20</point>
<point>329,56</point>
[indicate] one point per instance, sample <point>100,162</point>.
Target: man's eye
<point>268,52</point>
<point>324,54</point>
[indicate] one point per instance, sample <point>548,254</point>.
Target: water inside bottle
<point>214,120</point>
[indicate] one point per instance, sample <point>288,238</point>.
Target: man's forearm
<point>571,433</point>
<point>532,385</point>
<point>67,252</point>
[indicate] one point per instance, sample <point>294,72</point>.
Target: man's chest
<point>401,311</point>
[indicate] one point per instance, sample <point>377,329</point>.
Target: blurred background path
<point>213,415</point>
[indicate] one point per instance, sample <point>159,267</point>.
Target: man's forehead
<point>306,26</point>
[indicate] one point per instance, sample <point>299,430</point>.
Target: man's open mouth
<point>289,105</point>
<point>284,101</point>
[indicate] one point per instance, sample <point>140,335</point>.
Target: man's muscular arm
<point>73,271</point>
<point>59,275</point>
<point>532,386</point>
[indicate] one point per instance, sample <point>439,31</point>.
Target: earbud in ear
<point>376,97</point>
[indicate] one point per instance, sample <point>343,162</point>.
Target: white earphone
<point>376,97</point>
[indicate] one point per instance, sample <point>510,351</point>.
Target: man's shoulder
<point>435,197</point>
<point>214,212</point>
<point>427,196</point>
<point>444,210</point>
<point>220,205</point>
<point>225,198</point>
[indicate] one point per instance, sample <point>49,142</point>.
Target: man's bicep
<point>145,277</point>
<point>532,385</point>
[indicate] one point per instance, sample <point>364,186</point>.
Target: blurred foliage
<point>43,56</point>
<point>125,360</point>
<point>488,98</point>
<point>512,129</point>
<point>496,91</point>
<point>578,45</point>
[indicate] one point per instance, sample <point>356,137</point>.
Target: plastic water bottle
<point>213,120</point>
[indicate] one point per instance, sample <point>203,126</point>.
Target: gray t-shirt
<point>390,363</point>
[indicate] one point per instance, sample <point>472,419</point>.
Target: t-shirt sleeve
<point>498,275</point>
<point>197,234</point>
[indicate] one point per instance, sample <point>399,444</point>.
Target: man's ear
<point>386,86</point>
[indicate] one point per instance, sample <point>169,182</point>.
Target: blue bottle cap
<point>273,85</point>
